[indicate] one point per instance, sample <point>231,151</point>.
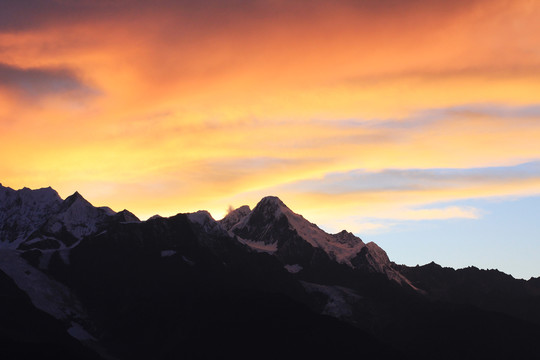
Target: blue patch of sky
<point>505,237</point>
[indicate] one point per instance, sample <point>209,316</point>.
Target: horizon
<point>413,124</point>
<point>383,241</point>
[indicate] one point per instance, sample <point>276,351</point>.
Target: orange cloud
<point>196,105</point>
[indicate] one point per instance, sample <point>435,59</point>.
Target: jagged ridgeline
<point>260,283</point>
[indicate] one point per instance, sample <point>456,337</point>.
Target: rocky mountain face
<point>22,211</point>
<point>273,228</point>
<point>40,219</point>
<point>264,281</point>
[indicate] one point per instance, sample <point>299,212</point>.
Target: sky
<point>411,123</point>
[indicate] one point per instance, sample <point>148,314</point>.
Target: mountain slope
<point>487,289</point>
<point>27,333</point>
<point>40,219</point>
<point>22,211</point>
<point>272,227</point>
<point>271,222</point>
<point>264,282</point>
<point>190,286</point>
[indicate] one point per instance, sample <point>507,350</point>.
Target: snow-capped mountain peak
<point>122,216</point>
<point>271,220</point>
<point>22,211</point>
<point>41,219</point>
<point>76,199</point>
<point>78,216</point>
<point>203,219</point>
<point>235,216</point>
<point>39,198</point>
<point>269,209</point>
<point>271,201</point>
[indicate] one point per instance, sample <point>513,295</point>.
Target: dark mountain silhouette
<point>487,289</point>
<point>261,283</point>
<point>28,333</point>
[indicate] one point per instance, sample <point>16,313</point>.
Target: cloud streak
<point>403,180</point>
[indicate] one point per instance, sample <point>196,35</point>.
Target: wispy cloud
<point>403,180</point>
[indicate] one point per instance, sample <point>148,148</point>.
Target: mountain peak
<point>243,209</point>
<point>344,233</point>
<point>235,216</point>
<point>272,223</point>
<point>76,197</point>
<point>76,194</point>
<point>201,217</point>
<point>126,216</point>
<point>271,199</point>
<point>268,210</point>
<point>345,237</point>
<point>26,199</point>
<point>204,220</point>
<point>22,211</point>
<point>272,202</point>
<point>271,207</point>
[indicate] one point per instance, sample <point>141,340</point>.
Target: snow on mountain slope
<point>204,220</point>
<point>45,293</point>
<point>378,255</point>
<point>272,227</point>
<point>259,246</point>
<point>339,299</point>
<point>77,216</point>
<point>40,219</point>
<point>374,258</point>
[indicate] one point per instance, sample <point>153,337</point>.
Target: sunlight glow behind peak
<point>176,107</point>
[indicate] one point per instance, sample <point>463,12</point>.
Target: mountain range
<point>85,282</point>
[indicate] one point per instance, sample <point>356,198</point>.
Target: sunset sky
<point>412,123</point>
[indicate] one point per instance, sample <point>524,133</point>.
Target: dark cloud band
<point>16,15</point>
<point>38,82</point>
